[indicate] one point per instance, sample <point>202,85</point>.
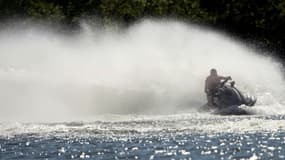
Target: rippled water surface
<point>182,136</point>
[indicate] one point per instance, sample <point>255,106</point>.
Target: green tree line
<point>262,20</point>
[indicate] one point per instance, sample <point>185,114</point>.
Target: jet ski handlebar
<point>226,80</point>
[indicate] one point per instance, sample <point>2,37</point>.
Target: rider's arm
<point>225,78</point>
<point>206,86</point>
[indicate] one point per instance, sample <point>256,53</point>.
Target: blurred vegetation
<point>262,21</point>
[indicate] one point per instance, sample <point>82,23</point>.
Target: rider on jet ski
<point>211,85</point>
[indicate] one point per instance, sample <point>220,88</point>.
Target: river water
<point>179,136</point>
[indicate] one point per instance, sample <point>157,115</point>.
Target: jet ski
<point>228,100</point>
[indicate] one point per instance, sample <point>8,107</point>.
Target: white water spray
<point>153,67</point>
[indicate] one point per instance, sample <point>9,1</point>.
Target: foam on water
<point>153,67</point>
<point>138,125</point>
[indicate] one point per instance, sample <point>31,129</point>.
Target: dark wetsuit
<point>211,84</point>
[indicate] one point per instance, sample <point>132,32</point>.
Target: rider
<point>212,82</point>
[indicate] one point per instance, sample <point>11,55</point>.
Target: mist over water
<point>153,67</point>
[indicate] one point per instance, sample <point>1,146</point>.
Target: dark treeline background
<point>261,21</point>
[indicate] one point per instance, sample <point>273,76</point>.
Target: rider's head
<point>213,72</point>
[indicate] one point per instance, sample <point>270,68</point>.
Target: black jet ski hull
<point>231,110</point>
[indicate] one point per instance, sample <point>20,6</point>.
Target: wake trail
<point>153,67</point>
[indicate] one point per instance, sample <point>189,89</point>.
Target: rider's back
<point>213,82</point>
